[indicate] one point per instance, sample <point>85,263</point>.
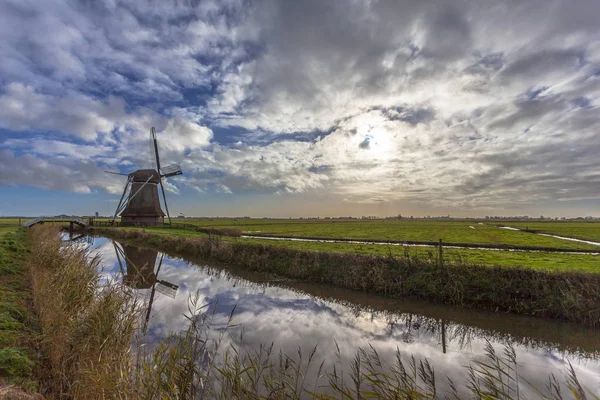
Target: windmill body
<point>143,205</point>
<point>140,202</point>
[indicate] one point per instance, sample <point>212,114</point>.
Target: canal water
<point>294,315</point>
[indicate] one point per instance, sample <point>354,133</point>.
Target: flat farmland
<point>11,221</point>
<point>8,225</point>
<point>549,261</point>
<point>579,230</point>
<point>397,230</point>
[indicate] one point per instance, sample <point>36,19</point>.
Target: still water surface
<point>295,314</point>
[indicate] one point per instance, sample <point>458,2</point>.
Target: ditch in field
<point>296,314</point>
<point>554,236</point>
<point>451,246</point>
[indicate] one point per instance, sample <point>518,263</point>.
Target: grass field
<point>580,230</point>
<point>465,232</point>
<point>550,261</point>
<point>419,231</point>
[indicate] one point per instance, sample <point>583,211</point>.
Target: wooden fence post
<point>441,255</point>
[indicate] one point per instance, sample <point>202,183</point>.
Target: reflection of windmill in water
<point>140,269</point>
<point>139,203</point>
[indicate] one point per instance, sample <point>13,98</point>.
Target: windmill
<point>140,203</point>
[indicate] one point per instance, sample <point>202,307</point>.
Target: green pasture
<point>580,230</point>
<point>16,353</point>
<point>543,260</point>
<point>8,225</point>
<point>13,222</point>
<point>422,231</point>
<point>551,261</point>
<point>4,229</point>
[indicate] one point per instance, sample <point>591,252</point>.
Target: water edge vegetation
<point>567,295</point>
<point>88,326</point>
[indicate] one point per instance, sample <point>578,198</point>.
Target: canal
<point>292,315</point>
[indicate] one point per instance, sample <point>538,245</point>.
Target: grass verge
<point>17,334</point>
<point>573,296</point>
<point>548,261</point>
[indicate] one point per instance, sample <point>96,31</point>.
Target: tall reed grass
<point>573,296</point>
<point>91,350</point>
<point>86,327</point>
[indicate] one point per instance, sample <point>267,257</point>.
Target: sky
<point>303,108</point>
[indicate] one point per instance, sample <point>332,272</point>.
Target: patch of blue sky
<point>24,200</point>
<point>532,94</point>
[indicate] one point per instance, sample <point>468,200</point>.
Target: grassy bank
<point>564,295</point>
<point>547,261</point>
<point>17,322</point>
<point>86,328</point>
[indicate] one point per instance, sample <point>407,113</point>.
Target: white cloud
<point>62,174</point>
<point>449,104</point>
<point>22,108</point>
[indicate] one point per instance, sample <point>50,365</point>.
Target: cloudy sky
<point>297,108</point>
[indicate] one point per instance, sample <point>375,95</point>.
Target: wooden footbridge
<point>71,220</point>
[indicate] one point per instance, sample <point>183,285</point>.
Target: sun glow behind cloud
<point>424,105</point>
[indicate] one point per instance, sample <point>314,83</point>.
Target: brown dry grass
<point>86,328</point>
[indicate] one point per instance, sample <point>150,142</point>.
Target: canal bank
<point>563,295</point>
<point>18,336</point>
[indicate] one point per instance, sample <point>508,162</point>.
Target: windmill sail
<point>162,188</point>
<point>171,170</point>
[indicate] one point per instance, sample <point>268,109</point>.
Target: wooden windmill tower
<point>139,203</point>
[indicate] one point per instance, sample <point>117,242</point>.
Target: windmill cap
<point>141,175</point>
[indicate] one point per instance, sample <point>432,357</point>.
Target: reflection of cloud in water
<point>291,319</point>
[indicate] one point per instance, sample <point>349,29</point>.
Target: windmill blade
<point>145,327</point>
<point>122,197</point>
<point>155,143</point>
<point>162,188</point>
<point>171,170</point>
<point>116,173</point>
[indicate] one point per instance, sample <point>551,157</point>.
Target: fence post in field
<point>19,221</point>
<point>441,255</point>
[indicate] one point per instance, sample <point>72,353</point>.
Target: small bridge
<point>71,221</point>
